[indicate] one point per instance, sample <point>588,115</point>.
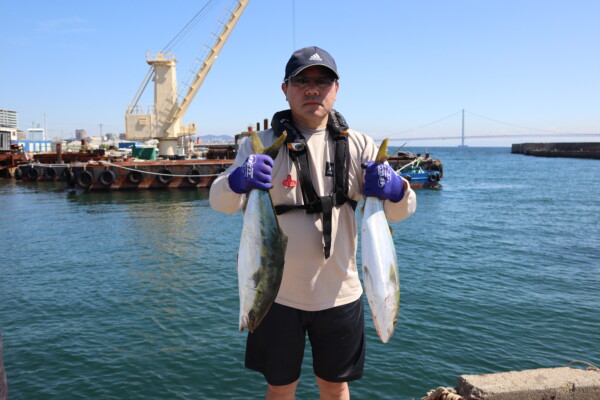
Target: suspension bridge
<point>533,132</point>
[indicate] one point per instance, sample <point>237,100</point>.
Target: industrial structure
<point>163,121</point>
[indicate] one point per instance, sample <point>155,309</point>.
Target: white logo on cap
<point>315,57</point>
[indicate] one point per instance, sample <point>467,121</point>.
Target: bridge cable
<point>511,124</point>
<point>430,123</point>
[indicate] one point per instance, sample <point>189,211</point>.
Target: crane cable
<point>169,47</point>
<point>189,26</point>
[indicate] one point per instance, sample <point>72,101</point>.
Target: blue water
<point>134,295</point>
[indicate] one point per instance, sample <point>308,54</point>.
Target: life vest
<point>298,151</point>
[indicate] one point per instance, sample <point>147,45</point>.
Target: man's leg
<point>333,390</point>
<point>284,392</point>
<point>276,349</point>
<point>337,337</point>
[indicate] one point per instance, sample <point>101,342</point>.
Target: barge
<point>136,175</point>
<point>11,154</point>
<point>116,173</point>
<point>10,159</point>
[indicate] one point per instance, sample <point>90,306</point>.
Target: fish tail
<point>273,149</point>
<point>382,152</point>
<point>257,146</point>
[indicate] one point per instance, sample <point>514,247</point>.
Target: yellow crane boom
<point>163,121</point>
<point>208,62</point>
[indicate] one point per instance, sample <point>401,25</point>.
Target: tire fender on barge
<point>84,179</point>
<point>107,177</point>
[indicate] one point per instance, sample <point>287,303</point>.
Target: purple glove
<point>381,181</point>
<point>255,172</point>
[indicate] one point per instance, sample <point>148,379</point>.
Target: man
<point>315,183</point>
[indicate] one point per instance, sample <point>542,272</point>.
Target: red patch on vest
<point>289,182</point>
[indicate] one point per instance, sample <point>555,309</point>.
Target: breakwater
<point>569,150</point>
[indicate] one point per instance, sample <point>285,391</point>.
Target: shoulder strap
<point>282,121</point>
<point>338,129</point>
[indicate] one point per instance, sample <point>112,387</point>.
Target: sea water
<point>133,295</point>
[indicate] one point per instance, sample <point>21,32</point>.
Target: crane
<point>163,120</point>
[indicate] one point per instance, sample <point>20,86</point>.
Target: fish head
<point>252,320</point>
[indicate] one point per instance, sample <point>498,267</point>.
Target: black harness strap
<point>337,127</point>
<point>340,177</point>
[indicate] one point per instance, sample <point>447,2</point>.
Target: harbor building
<point>9,119</point>
<point>80,134</point>
<point>6,135</point>
<point>36,134</point>
<point>36,141</point>
<point>12,134</point>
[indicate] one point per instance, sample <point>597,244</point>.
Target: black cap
<point>309,57</point>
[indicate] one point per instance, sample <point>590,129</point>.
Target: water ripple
<point>134,295</point>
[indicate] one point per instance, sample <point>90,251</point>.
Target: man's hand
<point>255,172</point>
<point>381,181</point>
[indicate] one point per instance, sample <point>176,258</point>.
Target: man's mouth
<point>312,103</point>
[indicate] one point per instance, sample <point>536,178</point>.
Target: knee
<point>282,391</point>
<point>333,390</point>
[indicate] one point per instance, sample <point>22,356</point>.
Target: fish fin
<point>257,146</point>
<point>245,204</point>
<point>284,239</point>
<point>252,321</point>
<point>393,274</point>
<point>382,152</point>
<point>273,149</point>
<point>366,274</point>
<point>256,279</point>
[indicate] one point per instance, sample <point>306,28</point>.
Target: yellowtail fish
<point>262,250</point>
<point>379,264</point>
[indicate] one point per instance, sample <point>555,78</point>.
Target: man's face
<point>311,95</point>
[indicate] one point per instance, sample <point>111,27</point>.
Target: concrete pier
<point>538,384</point>
<point>568,150</point>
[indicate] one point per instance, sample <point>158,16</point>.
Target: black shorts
<point>337,337</point>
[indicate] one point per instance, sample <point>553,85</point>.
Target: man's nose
<point>312,89</point>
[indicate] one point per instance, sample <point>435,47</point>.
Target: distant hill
<point>214,137</point>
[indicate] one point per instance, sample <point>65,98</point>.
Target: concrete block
<point>538,384</point>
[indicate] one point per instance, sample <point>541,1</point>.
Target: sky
<point>408,68</point>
